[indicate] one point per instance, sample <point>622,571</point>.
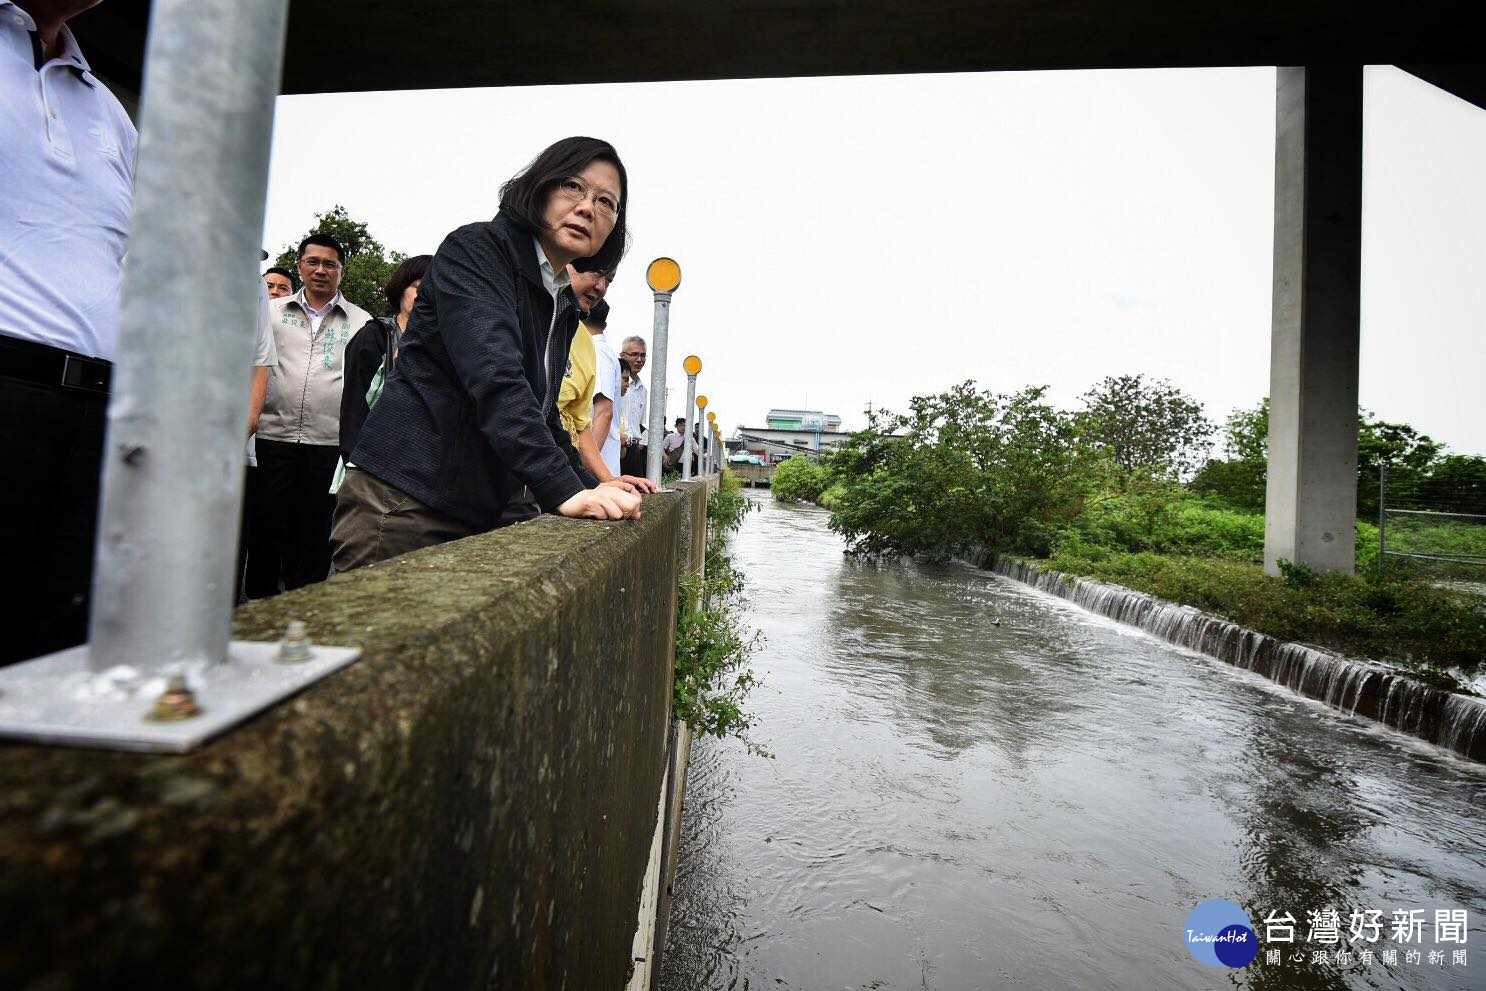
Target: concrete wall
<point>472,804</point>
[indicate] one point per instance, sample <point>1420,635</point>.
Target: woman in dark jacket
<point>469,416</point>
<point>375,347</point>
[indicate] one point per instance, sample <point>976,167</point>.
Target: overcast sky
<point>856,240</point>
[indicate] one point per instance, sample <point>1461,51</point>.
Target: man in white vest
<point>298,440</point>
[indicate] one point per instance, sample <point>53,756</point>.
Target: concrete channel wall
<point>473,804</point>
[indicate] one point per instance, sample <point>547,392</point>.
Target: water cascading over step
<point>1453,721</point>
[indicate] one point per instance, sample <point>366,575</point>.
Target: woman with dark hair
<point>374,349</point>
<point>468,419</point>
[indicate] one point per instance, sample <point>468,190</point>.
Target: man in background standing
<point>636,409</point>
<point>280,283</point>
<point>298,441</point>
<point>66,180</point>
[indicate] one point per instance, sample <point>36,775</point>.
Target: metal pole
<point>691,405</point>
<point>177,421</point>
<point>659,337</point>
<point>1382,515</point>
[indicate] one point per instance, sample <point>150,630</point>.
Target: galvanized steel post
<point>663,276</point>
<point>177,422</point>
<point>691,404</point>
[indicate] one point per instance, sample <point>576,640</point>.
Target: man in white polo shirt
<point>66,178</point>
<point>298,442</point>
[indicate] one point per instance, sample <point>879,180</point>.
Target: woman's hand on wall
<point>607,502</point>
<point>634,483</point>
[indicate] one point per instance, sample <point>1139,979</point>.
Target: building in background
<point>790,432</point>
<point>811,420</point>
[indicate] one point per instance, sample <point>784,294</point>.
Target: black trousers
<point>289,511</point>
<point>632,460</point>
<point>51,463</point>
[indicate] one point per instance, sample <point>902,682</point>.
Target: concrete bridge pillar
<point>1311,500</point>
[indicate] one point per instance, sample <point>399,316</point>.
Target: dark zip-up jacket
<point>371,348</point>
<point>467,416</point>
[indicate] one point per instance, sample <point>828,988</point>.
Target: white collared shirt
<point>634,410</point>
<point>318,316</point>
<point>66,180</point>
<point>554,283</point>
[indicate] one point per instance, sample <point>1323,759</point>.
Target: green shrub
<point>728,505</point>
<point>799,480</point>
<point>1170,521</point>
<point>713,677</point>
<point>962,470</point>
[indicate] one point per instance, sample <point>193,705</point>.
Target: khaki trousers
<point>374,522</point>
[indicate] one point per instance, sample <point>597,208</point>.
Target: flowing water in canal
<point>981,786</point>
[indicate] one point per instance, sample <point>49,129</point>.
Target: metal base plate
<point>59,699</point>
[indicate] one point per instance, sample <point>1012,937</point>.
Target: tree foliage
<point>1410,456</point>
<point>368,264</point>
<point>1151,430</point>
<point>962,469</point>
<point>1240,479</point>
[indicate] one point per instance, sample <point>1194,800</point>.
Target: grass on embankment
<point>1196,554</point>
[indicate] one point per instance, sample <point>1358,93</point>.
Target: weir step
<point>1448,719</point>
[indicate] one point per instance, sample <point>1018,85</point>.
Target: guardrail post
<point>174,459</point>
<point>663,276</point>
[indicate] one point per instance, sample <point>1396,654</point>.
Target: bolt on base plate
<point>58,699</point>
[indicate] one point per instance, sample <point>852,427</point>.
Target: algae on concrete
<point>470,805</point>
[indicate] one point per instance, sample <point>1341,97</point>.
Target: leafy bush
<point>799,480</point>
<point>728,505</point>
<point>964,469</point>
<point>713,677</point>
<point>1170,521</point>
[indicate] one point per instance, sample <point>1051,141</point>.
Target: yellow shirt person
<point>575,398</point>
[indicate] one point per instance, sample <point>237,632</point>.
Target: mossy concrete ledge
<point>470,805</point>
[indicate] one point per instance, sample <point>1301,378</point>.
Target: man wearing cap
<point>66,178</point>
<point>298,441</point>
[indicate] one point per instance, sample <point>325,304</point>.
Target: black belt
<point>47,365</point>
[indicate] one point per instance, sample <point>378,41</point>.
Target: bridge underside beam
<point>1311,501</point>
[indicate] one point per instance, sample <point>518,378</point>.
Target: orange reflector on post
<point>663,275</point>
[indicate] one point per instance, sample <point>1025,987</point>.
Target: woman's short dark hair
<point>410,271</point>
<point>524,196</point>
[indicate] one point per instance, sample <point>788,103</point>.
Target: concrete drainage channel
<point>1450,720</point>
